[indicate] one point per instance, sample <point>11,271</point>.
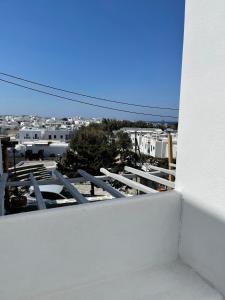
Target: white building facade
<point>152,141</point>
<point>50,141</point>
<point>50,133</point>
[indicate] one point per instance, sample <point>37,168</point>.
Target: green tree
<point>103,145</point>
<point>90,149</point>
<point>126,156</point>
<point>93,147</point>
<point>123,141</point>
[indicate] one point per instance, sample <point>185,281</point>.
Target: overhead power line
<point>88,96</point>
<point>84,102</point>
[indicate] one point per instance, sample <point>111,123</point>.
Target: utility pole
<point>135,146</point>
<point>135,149</point>
<point>1,162</point>
<point>170,153</point>
<point>92,189</point>
<point>4,161</point>
<point>5,165</point>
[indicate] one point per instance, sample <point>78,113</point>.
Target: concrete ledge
<point>203,241</point>
<point>59,248</point>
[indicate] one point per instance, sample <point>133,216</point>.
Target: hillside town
<point>48,138</point>
<point>44,146</point>
<point>40,137</point>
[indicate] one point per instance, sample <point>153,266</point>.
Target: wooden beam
<point>150,177</point>
<point>38,195</point>
<point>133,184</point>
<point>102,184</point>
<point>5,158</point>
<point>173,165</point>
<point>166,171</point>
<point>3,180</point>
<point>73,191</point>
<point>170,153</point>
<point>1,161</point>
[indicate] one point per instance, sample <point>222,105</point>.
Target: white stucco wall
<point>200,173</point>
<point>202,243</point>
<point>59,134</point>
<point>30,134</point>
<point>49,149</point>
<point>201,143</point>
<point>36,133</point>
<point>57,249</point>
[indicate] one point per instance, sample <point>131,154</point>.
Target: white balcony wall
<point>202,105</point>
<point>48,252</point>
<point>200,173</point>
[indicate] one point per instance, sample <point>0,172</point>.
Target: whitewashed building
<point>48,148</point>
<point>50,141</point>
<point>49,133</point>
<point>152,141</point>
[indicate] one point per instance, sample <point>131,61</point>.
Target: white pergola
<point>99,181</point>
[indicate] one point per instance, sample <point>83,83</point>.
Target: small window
<point>61,136</point>
<point>50,137</point>
<point>54,136</point>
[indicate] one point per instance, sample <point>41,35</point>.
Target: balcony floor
<point>172,281</point>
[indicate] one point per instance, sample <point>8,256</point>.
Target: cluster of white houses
<point>54,140</point>
<point>50,133</point>
<point>35,134</point>
<point>51,136</point>
<point>50,141</point>
<point>152,141</point>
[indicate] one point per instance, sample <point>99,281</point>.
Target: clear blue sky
<point>129,50</point>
